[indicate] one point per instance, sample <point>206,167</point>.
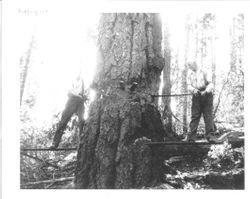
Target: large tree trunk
<point>112,153</point>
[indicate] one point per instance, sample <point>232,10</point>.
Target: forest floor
<point>221,168</point>
<point>185,172</point>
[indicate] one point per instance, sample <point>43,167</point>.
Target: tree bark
<point>112,151</point>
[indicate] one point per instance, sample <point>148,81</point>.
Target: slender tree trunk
<point>196,40</point>
<point>213,55</point>
<point>184,77</point>
<point>24,66</point>
<point>184,99</point>
<point>233,54</point>
<point>178,100</point>
<point>166,90</point>
<point>112,152</point>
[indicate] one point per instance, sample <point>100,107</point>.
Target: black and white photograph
<point>135,97</point>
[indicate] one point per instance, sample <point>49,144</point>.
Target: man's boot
<point>189,138</point>
<point>54,145</point>
<point>212,138</point>
<point>56,140</point>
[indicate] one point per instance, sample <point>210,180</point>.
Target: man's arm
<point>210,85</point>
<point>210,88</point>
<point>190,84</point>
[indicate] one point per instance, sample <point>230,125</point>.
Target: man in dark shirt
<point>75,105</point>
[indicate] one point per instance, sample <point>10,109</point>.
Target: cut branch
<point>172,95</point>
<point>40,160</point>
<point>219,97</point>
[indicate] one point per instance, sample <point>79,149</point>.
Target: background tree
<point>185,76</point>
<point>234,89</point>
<point>166,89</point>
<point>24,66</point>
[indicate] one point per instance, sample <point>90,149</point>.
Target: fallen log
<point>49,149</point>
<point>232,179</point>
<point>181,143</point>
<point>48,181</point>
<point>235,138</point>
<point>194,149</point>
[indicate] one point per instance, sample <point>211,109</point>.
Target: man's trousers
<point>202,105</point>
